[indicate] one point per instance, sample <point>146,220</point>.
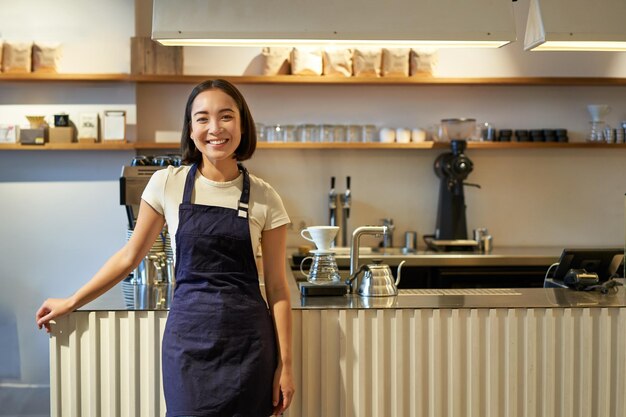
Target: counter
<point>129,297</point>
<point>469,352</point>
<point>132,297</point>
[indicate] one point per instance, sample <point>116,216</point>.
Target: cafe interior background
<point>61,217</point>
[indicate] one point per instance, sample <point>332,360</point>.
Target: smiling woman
<point>225,351</point>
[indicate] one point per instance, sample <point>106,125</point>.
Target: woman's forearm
<point>277,290</point>
<point>281,312</point>
<point>113,271</point>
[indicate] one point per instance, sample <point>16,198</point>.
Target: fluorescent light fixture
<point>347,23</point>
<point>324,43</point>
<point>576,25</point>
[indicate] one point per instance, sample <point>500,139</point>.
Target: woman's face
<point>215,125</point>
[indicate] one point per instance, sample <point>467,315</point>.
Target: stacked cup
<point>323,269</point>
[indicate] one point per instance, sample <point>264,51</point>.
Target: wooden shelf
<point>154,145</point>
<point>69,147</point>
<point>298,145</point>
<point>315,80</point>
<point>440,145</point>
<point>417,80</point>
<point>307,79</point>
<point>48,77</point>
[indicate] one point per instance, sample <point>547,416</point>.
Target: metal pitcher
<point>377,280</point>
<point>152,270</point>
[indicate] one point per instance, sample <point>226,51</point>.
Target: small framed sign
<point>88,127</point>
<point>9,133</point>
<point>114,129</point>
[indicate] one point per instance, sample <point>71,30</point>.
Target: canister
<point>403,135</point>
<point>339,133</point>
<point>326,133</point>
<point>308,133</point>
<point>410,242</point>
<point>369,133</point>
<point>387,135</point>
<point>289,133</point>
<point>354,133</point>
<point>274,133</point>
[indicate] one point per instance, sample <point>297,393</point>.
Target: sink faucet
<point>387,241</point>
<point>354,244</point>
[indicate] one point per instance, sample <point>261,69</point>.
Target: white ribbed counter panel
<point>375,363</point>
<point>107,364</point>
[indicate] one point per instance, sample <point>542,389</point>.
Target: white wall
<point>59,212</point>
<point>555,190</point>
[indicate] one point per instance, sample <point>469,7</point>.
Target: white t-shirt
<point>164,193</point>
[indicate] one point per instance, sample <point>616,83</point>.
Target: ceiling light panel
<point>393,23</point>
<point>576,25</point>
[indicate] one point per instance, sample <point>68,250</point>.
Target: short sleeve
<point>276,215</point>
<point>154,193</point>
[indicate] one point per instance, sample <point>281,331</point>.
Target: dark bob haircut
<point>246,148</point>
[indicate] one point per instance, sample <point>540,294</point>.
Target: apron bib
<point>219,349</point>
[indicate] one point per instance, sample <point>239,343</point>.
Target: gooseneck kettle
<point>377,278</point>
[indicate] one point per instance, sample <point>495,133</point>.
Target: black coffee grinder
<point>452,168</point>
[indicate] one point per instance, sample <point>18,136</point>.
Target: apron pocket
<point>213,253</point>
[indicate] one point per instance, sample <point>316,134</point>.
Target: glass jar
<point>369,133</point>
<point>339,133</point>
<point>486,132</point>
<point>260,132</point>
<point>289,133</point>
<point>327,133</point>
<point>274,133</point>
<point>354,133</point>
<point>308,133</point>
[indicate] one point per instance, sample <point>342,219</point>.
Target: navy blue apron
<point>219,348</point>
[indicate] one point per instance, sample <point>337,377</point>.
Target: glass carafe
<point>323,269</point>
<point>596,133</point>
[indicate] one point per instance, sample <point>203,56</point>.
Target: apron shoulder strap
<point>189,181</point>
<point>244,200</point>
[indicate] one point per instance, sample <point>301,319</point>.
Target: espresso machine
<point>132,183</point>
<point>453,168</point>
<point>135,177</point>
<point>158,265</point>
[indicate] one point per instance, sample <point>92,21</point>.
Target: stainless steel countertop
<point>129,297</point>
<point>471,298</point>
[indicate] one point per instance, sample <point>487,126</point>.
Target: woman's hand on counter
<point>50,309</point>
